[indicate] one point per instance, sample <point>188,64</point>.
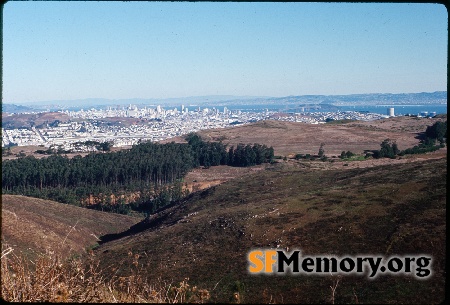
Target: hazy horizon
<point>55,51</point>
<point>250,100</point>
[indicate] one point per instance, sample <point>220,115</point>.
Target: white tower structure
<point>390,111</point>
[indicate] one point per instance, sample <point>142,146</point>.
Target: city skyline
<point>158,50</point>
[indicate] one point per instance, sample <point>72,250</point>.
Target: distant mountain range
<point>11,108</point>
<point>372,99</point>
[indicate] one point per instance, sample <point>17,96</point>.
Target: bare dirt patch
<point>202,178</point>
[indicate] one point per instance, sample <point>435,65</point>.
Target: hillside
<point>27,120</point>
<point>32,226</point>
<point>290,138</point>
<point>394,209</point>
<point>372,207</point>
<point>11,108</point>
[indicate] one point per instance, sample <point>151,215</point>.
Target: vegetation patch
<point>359,211</point>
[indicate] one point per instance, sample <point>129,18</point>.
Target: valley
<point>388,207</point>
<point>386,210</point>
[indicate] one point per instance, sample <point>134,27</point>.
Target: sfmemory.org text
<point>269,261</point>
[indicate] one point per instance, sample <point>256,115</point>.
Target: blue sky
<point>75,50</point>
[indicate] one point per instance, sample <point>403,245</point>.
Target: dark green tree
<point>437,131</point>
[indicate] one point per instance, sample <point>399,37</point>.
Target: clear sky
<point>75,50</point>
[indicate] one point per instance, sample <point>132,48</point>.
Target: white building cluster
<point>323,117</point>
<point>159,124</point>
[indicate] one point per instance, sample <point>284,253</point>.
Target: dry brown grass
<point>50,279</point>
<point>393,209</point>
<point>32,119</point>
<point>290,138</point>
<point>32,226</point>
<point>202,178</point>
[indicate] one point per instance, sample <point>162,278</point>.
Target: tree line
<point>433,134</point>
<point>152,169</point>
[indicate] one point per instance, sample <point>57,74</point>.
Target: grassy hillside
<point>394,209</point>
<point>32,226</point>
<point>291,138</point>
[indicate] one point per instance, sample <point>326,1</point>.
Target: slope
<point>33,226</point>
<point>396,209</point>
<point>290,138</point>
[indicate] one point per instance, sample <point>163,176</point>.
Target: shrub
<point>52,280</point>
